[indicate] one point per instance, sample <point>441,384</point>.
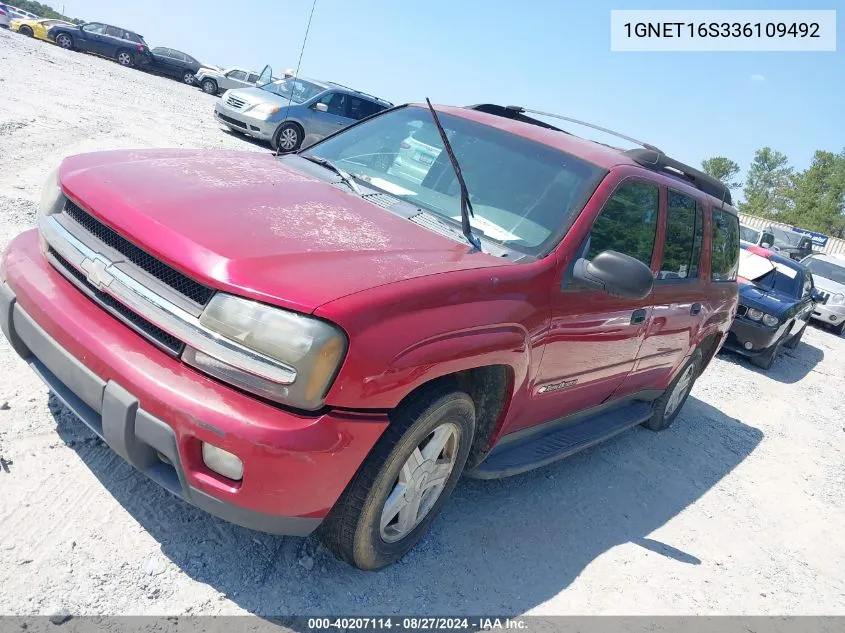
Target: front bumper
<point>143,402</point>
<point>745,332</point>
<point>243,123</point>
<point>832,315</point>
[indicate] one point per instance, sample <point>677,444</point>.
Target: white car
<point>829,278</point>
<point>214,82</point>
<point>5,16</point>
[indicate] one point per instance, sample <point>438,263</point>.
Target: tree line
<point>42,10</point>
<point>812,199</point>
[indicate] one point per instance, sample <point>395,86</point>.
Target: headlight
<point>302,353</point>
<point>51,194</point>
<point>754,315</point>
<point>769,320</point>
<point>837,299</point>
<point>266,109</point>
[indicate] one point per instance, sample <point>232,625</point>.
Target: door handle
<point>638,316</point>
<point>695,309</point>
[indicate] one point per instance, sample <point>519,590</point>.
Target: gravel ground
<point>738,508</point>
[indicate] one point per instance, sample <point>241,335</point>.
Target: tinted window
<point>682,248</point>
<point>335,102</point>
<point>237,74</point>
<point>360,108</point>
<point>748,234</point>
<point>524,194</point>
<point>179,56</point>
<point>113,31</point>
<point>827,269</point>
<point>159,50</point>
<point>252,77</point>
<point>724,246</point>
<point>627,223</point>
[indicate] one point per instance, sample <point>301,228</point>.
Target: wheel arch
<point>709,345</point>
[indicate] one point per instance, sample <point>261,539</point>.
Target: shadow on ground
<point>499,546</point>
<point>790,366</point>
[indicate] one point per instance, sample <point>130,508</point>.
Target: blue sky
<point>546,54</point>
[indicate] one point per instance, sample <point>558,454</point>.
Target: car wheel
<point>209,86</point>
<point>793,341</point>
<point>287,138</point>
<point>667,407</point>
<point>63,40</point>
<point>124,58</point>
<point>25,30</point>
<point>188,78</point>
<point>405,480</point>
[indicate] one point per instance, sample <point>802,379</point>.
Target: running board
<point>519,456</point>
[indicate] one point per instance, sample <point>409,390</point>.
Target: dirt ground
<point>738,508</point>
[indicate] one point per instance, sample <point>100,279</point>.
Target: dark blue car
<point>125,47</point>
<point>776,299</point>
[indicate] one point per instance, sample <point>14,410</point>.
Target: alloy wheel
<point>124,59</point>
<point>288,138</point>
<point>420,483</point>
<point>64,41</point>
<point>188,78</point>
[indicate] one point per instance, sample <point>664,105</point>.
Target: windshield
<point>748,234</point>
<point>828,270</point>
<point>297,90</point>
<point>785,237</point>
<point>524,194</point>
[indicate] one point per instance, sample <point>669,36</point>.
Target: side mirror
<point>616,274</point>
<point>816,295</point>
<point>321,107</point>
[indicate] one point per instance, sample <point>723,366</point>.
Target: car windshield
<point>785,237</point>
<point>828,270</point>
<point>524,194</point>
<point>748,234</point>
<point>297,90</point>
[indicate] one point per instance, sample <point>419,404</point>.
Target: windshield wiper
<point>345,176</point>
<point>466,205</point>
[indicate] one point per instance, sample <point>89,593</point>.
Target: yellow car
<point>35,28</point>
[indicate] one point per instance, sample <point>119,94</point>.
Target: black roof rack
<point>646,155</point>
<point>360,92</point>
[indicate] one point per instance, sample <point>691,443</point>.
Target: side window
<point>627,223</point>
<point>113,31</point>
<point>238,75</point>
<point>94,28</point>
<point>335,102</point>
<point>358,108</point>
<point>682,248</point>
<point>253,77</point>
<point>178,56</point>
<point>724,246</point>
<point>132,37</point>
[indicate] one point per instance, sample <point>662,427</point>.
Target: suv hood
<point>828,285</point>
<point>246,223</point>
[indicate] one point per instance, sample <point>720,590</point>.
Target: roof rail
<point>360,92</point>
<point>658,161</point>
<point>647,155</point>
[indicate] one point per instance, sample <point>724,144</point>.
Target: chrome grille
<point>134,320</point>
<point>182,284</point>
<point>235,102</point>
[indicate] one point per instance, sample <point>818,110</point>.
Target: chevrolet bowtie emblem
<point>96,272</point>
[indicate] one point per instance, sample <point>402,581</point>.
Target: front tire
<point>209,86</point>
<point>65,41</point>
<point>402,485</point>
<point>667,407</point>
<point>25,30</point>
<point>188,78</point>
<point>288,138</point>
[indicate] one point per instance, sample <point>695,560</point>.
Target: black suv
<point>114,42</point>
<point>172,63</point>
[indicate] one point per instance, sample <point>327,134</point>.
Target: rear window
<point>724,246</point>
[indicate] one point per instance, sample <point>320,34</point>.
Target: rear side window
<point>361,108</point>
<point>251,79</point>
<point>724,246</point>
<point>113,31</point>
<point>627,223</point>
<point>684,230</point>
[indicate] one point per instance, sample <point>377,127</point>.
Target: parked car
<point>790,243</point>
<point>776,299</point>
<point>18,13</point>
<point>313,341</point>
<point>755,237</point>
<point>214,82</point>
<point>36,28</point>
<point>829,277</point>
<point>293,112</point>
<point>416,154</point>
<point>105,40</point>
<point>173,63</point>
<point>5,16</point>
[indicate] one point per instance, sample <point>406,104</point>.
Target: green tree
<point>819,195</point>
<point>723,169</point>
<point>769,185</point>
<point>40,9</point>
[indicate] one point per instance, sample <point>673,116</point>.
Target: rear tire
<point>209,86</point>
<point>668,406</point>
<point>404,482</point>
<point>125,58</point>
<point>188,78</point>
<point>65,41</point>
<point>25,30</point>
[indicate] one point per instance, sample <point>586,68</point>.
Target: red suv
<point>333,337</point>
